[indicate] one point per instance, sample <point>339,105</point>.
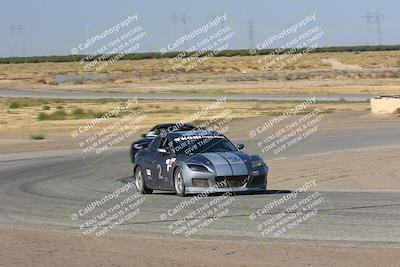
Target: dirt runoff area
<point>62,248</point>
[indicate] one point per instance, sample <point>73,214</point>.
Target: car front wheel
<point>179,183</point>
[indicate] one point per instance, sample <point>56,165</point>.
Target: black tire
<point>179,183</point>
<point>140,182</point>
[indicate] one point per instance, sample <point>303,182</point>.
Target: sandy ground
<point>56,248</point>
<point>340,171</point>
<point>205,84</point>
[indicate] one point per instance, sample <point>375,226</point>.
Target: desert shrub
<point>57,115</point>
<point>79,113</point>
<point>397,112</point>
<point>37,136</point>
<point>96,114</point>
<point>227,53</point>
<point>14,105</point>
<point>46,107</point>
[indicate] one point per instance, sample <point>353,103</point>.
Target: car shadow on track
<point>267,192</point>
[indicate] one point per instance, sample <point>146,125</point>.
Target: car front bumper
<point>197,183</point>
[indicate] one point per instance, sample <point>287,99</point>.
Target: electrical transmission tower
<point>174,19</point>
<point>213,16</point>
<point>183,19</point>
<point>12,31</point>
<point>375,18</point>
<point>20,30</point>
<point>251,34</point>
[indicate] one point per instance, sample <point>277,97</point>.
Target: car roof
<point>172,124</point>
<point>175,125</point>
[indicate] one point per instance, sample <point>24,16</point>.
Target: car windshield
<point>202,144</point>
<point>168,128</point>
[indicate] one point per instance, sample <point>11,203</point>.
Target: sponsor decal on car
<point>169,163</point>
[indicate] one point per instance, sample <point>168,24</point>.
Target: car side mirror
<point>240,146</point>
<point>143,135</point>
<point>162,150</point>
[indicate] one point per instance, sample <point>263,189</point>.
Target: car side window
<point>154,144</point>
<point>163,144</point>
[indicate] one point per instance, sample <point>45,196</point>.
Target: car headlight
<point>257,163</point>
<point>198,168</point>
<point>137,146</point>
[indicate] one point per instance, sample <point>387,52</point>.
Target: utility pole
<point>375,18</point>
<point>21,28</point>
<point>180,19</point>
<point>213,16</point>
<point>184,20</point>
<point>174,19</point>
<point>251,34</point>
<point>12,31</point>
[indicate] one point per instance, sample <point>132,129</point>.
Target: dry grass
<point>44,72</point>
<point>77,112</point>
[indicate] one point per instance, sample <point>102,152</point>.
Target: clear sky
<point>54,27</point>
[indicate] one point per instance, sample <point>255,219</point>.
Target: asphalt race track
<point>42,190</point>
<point>60,94</point>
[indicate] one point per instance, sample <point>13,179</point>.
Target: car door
<point>162,164</point>
<point>148,164</point>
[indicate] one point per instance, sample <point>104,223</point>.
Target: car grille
<point>200,182</point>
<point>231,181</point>
<point>259,179</point>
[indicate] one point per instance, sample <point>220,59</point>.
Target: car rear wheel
<point>140,182</point>
<point>179,183</point>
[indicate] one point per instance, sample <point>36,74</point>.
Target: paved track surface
<point>59,94</point>
<point>43,190</point>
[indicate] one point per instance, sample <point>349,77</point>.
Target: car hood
<point>224,163</point>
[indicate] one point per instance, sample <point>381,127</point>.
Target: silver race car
<point>198,161</point>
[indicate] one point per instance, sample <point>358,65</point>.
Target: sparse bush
<point>57,115</point>
<point>79,113</point>
<point>96,114</point>
<point>46,107</point>
<point>37,136</point>
<point>14,105</point>
<point>226,53</point>
<point>397,112</point>
<point>42,116</point>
